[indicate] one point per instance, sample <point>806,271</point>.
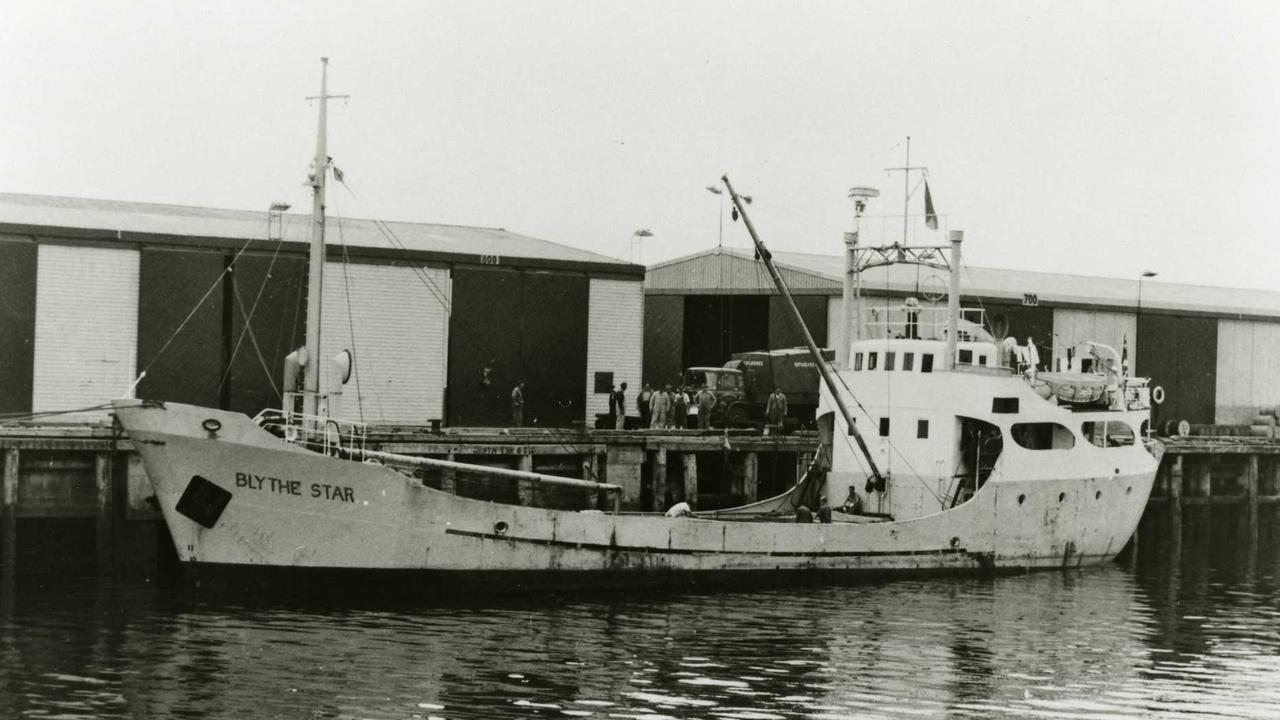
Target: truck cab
<point>727,384</point>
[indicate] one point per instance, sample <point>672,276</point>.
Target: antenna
<point>906,169</point>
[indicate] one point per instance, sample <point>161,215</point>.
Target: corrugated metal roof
<point>156,219</point>
<point>721,270</point>
<point>689,274</point>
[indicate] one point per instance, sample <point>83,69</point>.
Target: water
<point>1194,636</point>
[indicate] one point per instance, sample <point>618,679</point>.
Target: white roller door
<point>1109,328</point>
<point>397,325</point>
<point>1248,370</point>
<point>615,328</point>
<point>86,339</point>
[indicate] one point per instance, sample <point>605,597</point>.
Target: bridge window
<point>889,359</point>
<point>908,362</point>
<point>922,429</point>
<point>884,427</point>
<point>1004,405</point>
<point>871,360</point>
<point>966,357</point>
<point>926,363</point>
<point>1110,433</point>
<point>857,361</point>
<point>982,359</point>
<point>1042,436</point>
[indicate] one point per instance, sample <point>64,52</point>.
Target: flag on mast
<point>930,217</point>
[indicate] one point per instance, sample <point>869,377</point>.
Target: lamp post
<point>1145,274</point>
<point>636,250</point>
<point>275,218</point>
<point>715,190</point>
<point>1137,320</point>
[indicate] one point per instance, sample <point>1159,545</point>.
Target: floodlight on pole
<point>636,254</point>
<point>275,219</point>
<point>1137,320</point>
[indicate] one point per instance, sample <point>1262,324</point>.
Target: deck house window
<point>908,362</point>
<point>871,360</point>
<point>1111,433</point>
<point>857,361</point>
<point>884,427</point>
<point>982,359</point>
<point>889,359</point>
<point>966,357</point>
<point>1042,436</point>
<point>922,429</point>
<point>926,363</point>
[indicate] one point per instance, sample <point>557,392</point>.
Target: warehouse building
<point>1216,351</point>
<point>443,320</point>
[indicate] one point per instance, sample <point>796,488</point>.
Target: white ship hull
<point>293,509</point>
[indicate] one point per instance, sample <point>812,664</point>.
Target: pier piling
<point>9,514</point>
<point>659,480</point>
<point>750,477</point>
<point>691,479</point>
<point>106,512</point>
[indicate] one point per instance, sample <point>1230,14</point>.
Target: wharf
<point>81,496</point>
<point>85,483</point>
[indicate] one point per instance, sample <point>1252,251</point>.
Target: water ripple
<point>1180,640</point>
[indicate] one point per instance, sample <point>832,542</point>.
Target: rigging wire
<point>7,418</point>
<point>441,296</point>
<point>214,285</point>
<point>248,324</point>
<point>351,323</point>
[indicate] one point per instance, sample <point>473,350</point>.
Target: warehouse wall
<point>1109,328</point>
<point>1180,353</point>
<point>270,296</point>
<point>86,328</point>
<point>186,367</point>
<point>17,324</point>
<point>663,337</point>
<point>1020,322</point>
<point>782,331</point>
<point>716,326</point>
<point>526,325</point>
<point>396,322</point>
<point>1248,378</point>
<point>614,339</point>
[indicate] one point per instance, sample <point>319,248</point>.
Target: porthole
<point>1062,496</point>
<point>1128,490</point>
<point>1097,495</point>
<point>1022,499</point>
<point>500,528</point>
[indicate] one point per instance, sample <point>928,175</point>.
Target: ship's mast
<point>906,187</point>
<point>315,272</point>
<point>824,368</point>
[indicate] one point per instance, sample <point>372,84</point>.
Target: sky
<point>1094,138</point>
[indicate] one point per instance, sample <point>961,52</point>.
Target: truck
<point>743,385</point>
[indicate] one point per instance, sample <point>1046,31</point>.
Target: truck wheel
<point>735,416</point>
